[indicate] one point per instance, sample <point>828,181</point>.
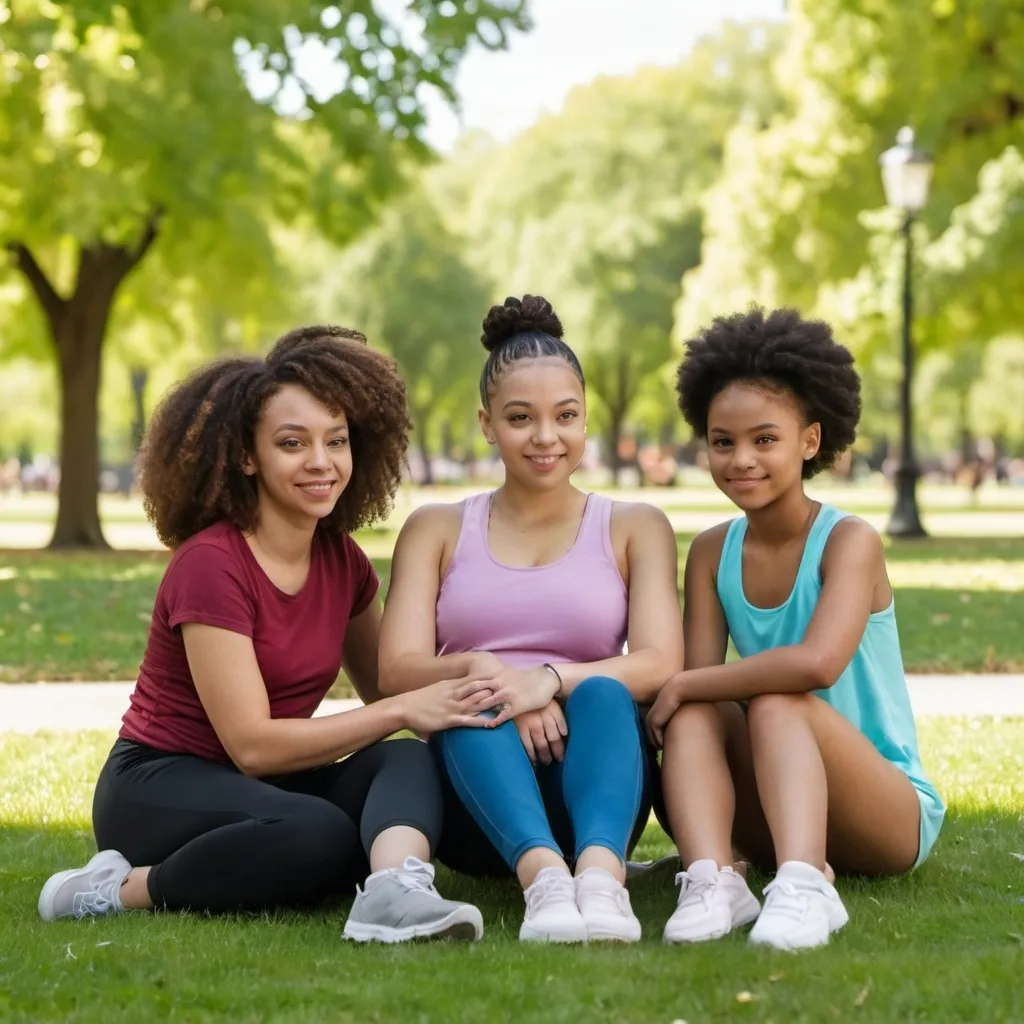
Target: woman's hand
<point>448,704</point>
<point>543,733</point>
<point>484,665</point>
<point>670,699</point>
<point>518,690</point>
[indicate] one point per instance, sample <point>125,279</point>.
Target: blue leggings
<point>597,796</point>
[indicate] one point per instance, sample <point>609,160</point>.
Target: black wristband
<point>551,668</point>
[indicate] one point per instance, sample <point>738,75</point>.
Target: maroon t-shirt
<point>214,579</point>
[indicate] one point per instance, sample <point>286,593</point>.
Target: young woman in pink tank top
<point>541,590</point>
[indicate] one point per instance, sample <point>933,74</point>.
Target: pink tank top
<point>572,610</point>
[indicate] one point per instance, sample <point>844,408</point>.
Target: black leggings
<point>218,840</point>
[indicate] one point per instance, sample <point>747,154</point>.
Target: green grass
<point>944,944</point>
<point>84,616</point>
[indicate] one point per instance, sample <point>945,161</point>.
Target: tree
<point>170,136</point>
<point>797,218</point>
<point>599,207</point>
<point>407,284</point>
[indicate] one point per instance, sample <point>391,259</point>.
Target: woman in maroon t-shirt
<point>222,792</point>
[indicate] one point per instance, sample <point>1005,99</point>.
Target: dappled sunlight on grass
<point>942,944</point>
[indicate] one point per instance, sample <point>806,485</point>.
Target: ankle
<point>601,857</point>
<point>133,892</point>
<point>534,861</point>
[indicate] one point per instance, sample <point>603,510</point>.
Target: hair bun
<point>531,313</point>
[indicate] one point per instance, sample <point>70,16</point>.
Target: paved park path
<point>29,707</point>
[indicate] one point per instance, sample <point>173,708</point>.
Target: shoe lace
<point>417,876</point>
<point>558,887</point>
<point>694,890</point>
<point>91,904</point>
<point>786,900</point>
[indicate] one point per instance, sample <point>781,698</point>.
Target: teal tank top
<point>872,690</point>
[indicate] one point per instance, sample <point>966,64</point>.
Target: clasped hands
<point>527,697</point>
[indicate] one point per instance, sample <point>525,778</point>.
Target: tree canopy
<point>797,215</point>
<point>172,136</point>
<point>599,207</point>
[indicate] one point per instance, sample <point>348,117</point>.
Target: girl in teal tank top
<point>803,753</point>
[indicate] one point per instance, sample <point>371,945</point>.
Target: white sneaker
<point>604,904</point>
<point>551,911</point>
<point>801,909</point>
<point>712,901</point>
<point>91,891</point>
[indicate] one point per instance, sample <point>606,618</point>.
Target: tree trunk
<point>139,379</point>
<point>420,427</point>
<point>78,360</point>
<point>614,440</point>
<point>617,406</point>
<point>78,325</point>
<point>967,449</point>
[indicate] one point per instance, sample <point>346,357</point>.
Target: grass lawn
<point>944,944</point>
<point>84,616</point>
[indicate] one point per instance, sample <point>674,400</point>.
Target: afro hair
<point>785,352</point>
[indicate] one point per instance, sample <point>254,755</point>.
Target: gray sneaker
<point>639,868</point>
<point>403,904</point>
<point>91,891</point>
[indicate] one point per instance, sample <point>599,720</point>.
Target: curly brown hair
<point>204,428</point>
<point>785,352</point>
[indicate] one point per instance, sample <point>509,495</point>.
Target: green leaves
<point>409,286</point>
<point>599,208</point>
<point>207,123</point>
<point>790,221</point>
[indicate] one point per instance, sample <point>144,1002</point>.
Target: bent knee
<point>602,690</point>
<point>413,755</point>
<point>315,832</point>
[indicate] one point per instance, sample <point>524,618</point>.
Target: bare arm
<point>852,567</point>
<point>655,632</point>
<point>359,655</point>
<point>408,633</point>
<point>705,630</point>
<point>229,683</point>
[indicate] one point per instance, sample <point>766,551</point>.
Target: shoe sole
<point>45,904</point>
<point>528,934</point>
<point>463,925</point>
<point>603,935</point>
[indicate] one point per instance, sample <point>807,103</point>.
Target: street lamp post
<point>906,177</point>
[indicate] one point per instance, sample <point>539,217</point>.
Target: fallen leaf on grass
<point>775,976</point>
<point>108,943</point>
<point>745,997</point>
<point>862,996</point>
<point>1019,856</point>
